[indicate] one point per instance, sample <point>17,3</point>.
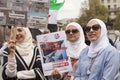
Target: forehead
<point>20,28</point>
<point>72,27</point>
<point>92,22</point>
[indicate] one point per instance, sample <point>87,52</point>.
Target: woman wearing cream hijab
<point>22,61</point>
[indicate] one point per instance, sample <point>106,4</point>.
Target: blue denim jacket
<point>104,66</point>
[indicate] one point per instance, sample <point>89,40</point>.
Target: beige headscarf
<point>25,47</point>
<point>101,43</point>
<point>74,48</point>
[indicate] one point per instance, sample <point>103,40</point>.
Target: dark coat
<point>21,65</point>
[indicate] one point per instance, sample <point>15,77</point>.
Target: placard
<point>53,52</point>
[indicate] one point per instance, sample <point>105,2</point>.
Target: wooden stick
<point>13,33</point>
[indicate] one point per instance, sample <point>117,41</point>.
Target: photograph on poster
<point>53,51</point>
<point>52,47</point>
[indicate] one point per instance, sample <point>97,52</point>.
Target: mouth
<point>92,35</point>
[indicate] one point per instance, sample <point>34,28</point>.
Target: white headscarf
<point>101,43</point>
<point>74,48</point>
<point>25,47</point>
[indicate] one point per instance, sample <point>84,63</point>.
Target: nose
<point>71,32</point>
<point>91,29</point>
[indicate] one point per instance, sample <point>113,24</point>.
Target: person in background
<point>22,59</point>
<point>100,60</point>
<point>117,46</point>
<point>111,42</point>
<point>87,41</point>
<point>117,40</point>
<point>75,43</point>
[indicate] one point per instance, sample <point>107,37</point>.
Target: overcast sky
<point>70,9</point>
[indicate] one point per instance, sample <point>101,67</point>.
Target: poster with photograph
<point>52,47</point>
<point>13,18</point>
<point>17,18</point>
<point>3,12</point>
<point>18,5</point>
<point>41,6</point>
<point>3,4</point>
<point>13,12</point>
<point>38,14</point>
<point>25,13</point>
<point>36,20</point>
<point>2,18</point>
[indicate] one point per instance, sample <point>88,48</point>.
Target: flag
<point>53,11</point>
<point>54,5</point>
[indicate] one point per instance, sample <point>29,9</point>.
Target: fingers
<point>56,74</point>
<point>11,45</point>
<point>12,41</point>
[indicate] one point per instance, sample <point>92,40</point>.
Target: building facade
<point>112,6</point>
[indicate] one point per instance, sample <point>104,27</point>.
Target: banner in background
<point>25,13</point>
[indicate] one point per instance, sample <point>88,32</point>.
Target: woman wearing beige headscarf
<point>22,61</point>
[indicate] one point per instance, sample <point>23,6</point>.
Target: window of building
<point>114,13</point>
<point>114,1</point>
<point>115,6</point>
<point>108,7</point>
<point>108,1</point>
<point>102,1</point>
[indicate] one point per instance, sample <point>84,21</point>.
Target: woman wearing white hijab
<point>22,61</point>
<point>75,42</point>
<point>117,40</point>
<point>99,61</point>
<point>75,45</point>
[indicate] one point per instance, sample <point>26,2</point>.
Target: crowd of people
<point>92,55</point>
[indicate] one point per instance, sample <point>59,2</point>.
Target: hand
<point>11,47</point>
<point>73,61</point>
<point>56,74</point>
<point>66,76</point>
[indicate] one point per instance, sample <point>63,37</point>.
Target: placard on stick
<point>13,33</point>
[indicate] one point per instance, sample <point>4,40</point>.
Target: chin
<point>19,41</point>
<point>93,39</point>
<point>72,40</point>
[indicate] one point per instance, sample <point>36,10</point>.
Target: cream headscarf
<point>101,43</point>
<point>25,47</point>
<point>74,48</point>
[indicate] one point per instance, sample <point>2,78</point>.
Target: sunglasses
<point>73,31</point>
<point>94,27</point>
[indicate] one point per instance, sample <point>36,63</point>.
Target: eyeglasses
<point>73,31</point>
<point>94,27</point>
